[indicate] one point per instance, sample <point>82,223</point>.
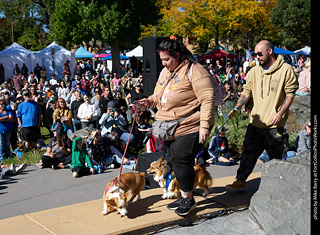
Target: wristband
<point>235,109</point>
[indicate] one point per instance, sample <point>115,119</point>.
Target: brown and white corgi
<point>163,174</point>
<point>116,193</point>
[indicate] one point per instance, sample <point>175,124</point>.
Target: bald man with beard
<point>272,85</point>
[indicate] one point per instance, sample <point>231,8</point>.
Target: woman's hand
<point>203,135</point>
<point>92,171</point>
<point>144,102</point>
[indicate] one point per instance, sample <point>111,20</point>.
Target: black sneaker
<point>174,205</point>
<point>187,204</point>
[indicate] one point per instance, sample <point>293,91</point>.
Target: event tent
<point>15,54</point>
<point>61,55</point>
<point>217,54</point>
<point>219,47</point>
<point>137,52</point>
<point>109,57</point>
<point>303,51</point>
<point>83,53</point>
<point>281,51</point>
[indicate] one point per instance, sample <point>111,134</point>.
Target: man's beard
<point>265,62</point>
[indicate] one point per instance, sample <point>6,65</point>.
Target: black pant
<point>257,140</point>
<point>183,151</point>
<point>49,162</point>
<point>82,171</point>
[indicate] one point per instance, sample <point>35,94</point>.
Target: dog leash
<point>137,110</point>
<point>235,123</point>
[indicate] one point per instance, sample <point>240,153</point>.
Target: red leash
<point>137,110</point>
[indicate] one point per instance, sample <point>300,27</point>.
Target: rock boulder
<point>282,203</point>
<point>299,113</point>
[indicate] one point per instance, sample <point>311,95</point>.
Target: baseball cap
<point>220,129</point>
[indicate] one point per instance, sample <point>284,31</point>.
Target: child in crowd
<point>79,158</point>
<point>218,148</point>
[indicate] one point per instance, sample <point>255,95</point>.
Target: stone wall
<point>299,113</point>
<point>282,203</point>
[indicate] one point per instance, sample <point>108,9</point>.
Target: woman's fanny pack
<point>164,130</point>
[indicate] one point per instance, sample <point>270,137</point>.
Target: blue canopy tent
<point>109,57</point>
<point>83,53</point>
<point>279,51</point>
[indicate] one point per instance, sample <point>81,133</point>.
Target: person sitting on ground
<point>303,141</point>
<point>97,150</point>
<point>63,113</point>
<point>113,121</point>
<point>88,113</point>
<point>74,110</point>
<point>79,158</point>
<point>115,148</point>
<point>219,149</point>
<point>58,154</point>
<point>142,128</point>
<point>76,81</point>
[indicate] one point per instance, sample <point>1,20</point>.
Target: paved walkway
<point>46,201</point>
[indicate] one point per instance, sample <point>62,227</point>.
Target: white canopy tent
<point>137,52</point>
<point>303,51</point>
<point>15,54</point>
<point>61,55</point>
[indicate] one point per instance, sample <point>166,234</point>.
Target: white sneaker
<point>21,167</point>
<point>12,167</point>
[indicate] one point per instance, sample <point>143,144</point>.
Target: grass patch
<point>33,156</point>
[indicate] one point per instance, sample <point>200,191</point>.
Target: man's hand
<point>233,113</point>
<point>275,119</point>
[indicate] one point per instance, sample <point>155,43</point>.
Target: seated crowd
<point>93,99</point>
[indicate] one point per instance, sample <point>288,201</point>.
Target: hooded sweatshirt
<point>187,90</point>
<point>269,90</point>
<point>79,156</point>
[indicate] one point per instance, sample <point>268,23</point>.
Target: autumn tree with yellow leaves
<point>237,22</point>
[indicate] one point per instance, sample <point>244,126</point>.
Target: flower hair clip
<point>174,38</point>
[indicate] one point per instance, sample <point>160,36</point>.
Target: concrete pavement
<point>51,201</point>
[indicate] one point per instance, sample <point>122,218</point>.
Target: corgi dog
<point>163,174</point>
<point>116,193</point>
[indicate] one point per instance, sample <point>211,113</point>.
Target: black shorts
<point>29,133</point>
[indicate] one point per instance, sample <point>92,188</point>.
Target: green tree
<point>114,22</point>
<point>29,19</point>
<point>293,20</point>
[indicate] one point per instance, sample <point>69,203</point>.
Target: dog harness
<point>169,177</point>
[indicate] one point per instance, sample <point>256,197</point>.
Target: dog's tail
<point>142,174</point>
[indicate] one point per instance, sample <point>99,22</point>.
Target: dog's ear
<point>161,158</point>
<point>112,202</point>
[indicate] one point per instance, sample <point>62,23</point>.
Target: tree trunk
<point>216,36</point>
<point>115,51</point>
